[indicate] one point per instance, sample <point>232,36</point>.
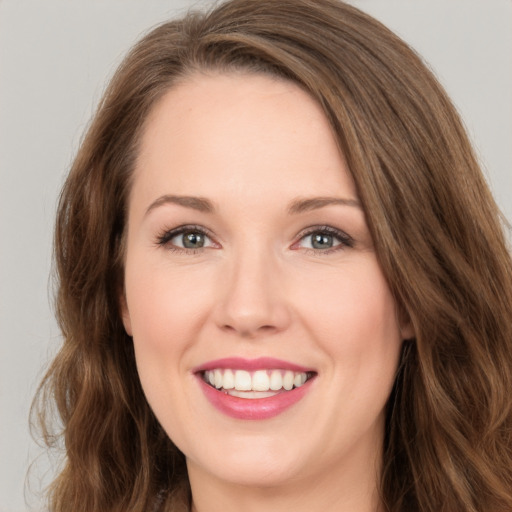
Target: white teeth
<point>229,380</point>
<point>288,380</point>
<point>250,394</point>
<point>218,379</point>
<point>299,379</point>
<point>243,380</point>
<point>260,381</point>
<point>276,380</point>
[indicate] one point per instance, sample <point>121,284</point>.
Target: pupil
<point>193,240</point>
<point>322,241</point>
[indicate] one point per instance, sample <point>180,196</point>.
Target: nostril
<point>247,332</point>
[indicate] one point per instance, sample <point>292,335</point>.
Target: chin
<point>260,474</point>
<point>253,464</point>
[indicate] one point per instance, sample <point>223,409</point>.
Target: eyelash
<point>345,240</point>
<point>166,236</point>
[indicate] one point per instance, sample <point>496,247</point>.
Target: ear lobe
<point>407,331</point>
<point>125,314</point>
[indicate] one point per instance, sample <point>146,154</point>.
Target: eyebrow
<point>195,203</point>
<point>314,203</point>
<point>296,206</point>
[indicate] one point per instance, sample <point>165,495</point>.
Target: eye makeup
<point>193,238</point>
<point>323,240</point>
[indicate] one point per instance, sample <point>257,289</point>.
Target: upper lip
<point>260,363</point>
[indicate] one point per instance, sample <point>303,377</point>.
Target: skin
<point>252,145</point>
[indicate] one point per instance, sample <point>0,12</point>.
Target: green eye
<point>322,241</point>
<point>191,240</point>
<point>185,238</point>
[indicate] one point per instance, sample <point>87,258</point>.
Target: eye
<point>186,238</point>
<point>321,241</point>
<point>189,240</point>
<point>324,239</point>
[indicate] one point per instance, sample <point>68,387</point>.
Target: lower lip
<point>253,408</point>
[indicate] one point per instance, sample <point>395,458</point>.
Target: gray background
<point>55,57</point>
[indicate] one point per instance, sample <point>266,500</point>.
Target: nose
<point>254,301</point>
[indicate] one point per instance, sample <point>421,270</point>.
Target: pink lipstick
<point>253,389</point>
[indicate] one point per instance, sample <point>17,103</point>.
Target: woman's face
<point>265,334</point>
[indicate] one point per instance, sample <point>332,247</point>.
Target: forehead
<point>239,133</point>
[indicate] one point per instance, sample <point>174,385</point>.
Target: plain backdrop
<point>55,58</point>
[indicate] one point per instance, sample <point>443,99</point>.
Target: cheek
<point>164,305</point>
<point>168,310</point>
<point>354,322</point>
<point>164,314</point>
<point>354,318</point>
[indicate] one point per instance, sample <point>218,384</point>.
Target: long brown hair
<point>436,229</point>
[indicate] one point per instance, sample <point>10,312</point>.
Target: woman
<point>300,291</point>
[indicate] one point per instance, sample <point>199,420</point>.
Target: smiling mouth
<point>255,384</point>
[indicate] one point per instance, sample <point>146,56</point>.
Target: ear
<point>125,314</point>
<point>407,331</point>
